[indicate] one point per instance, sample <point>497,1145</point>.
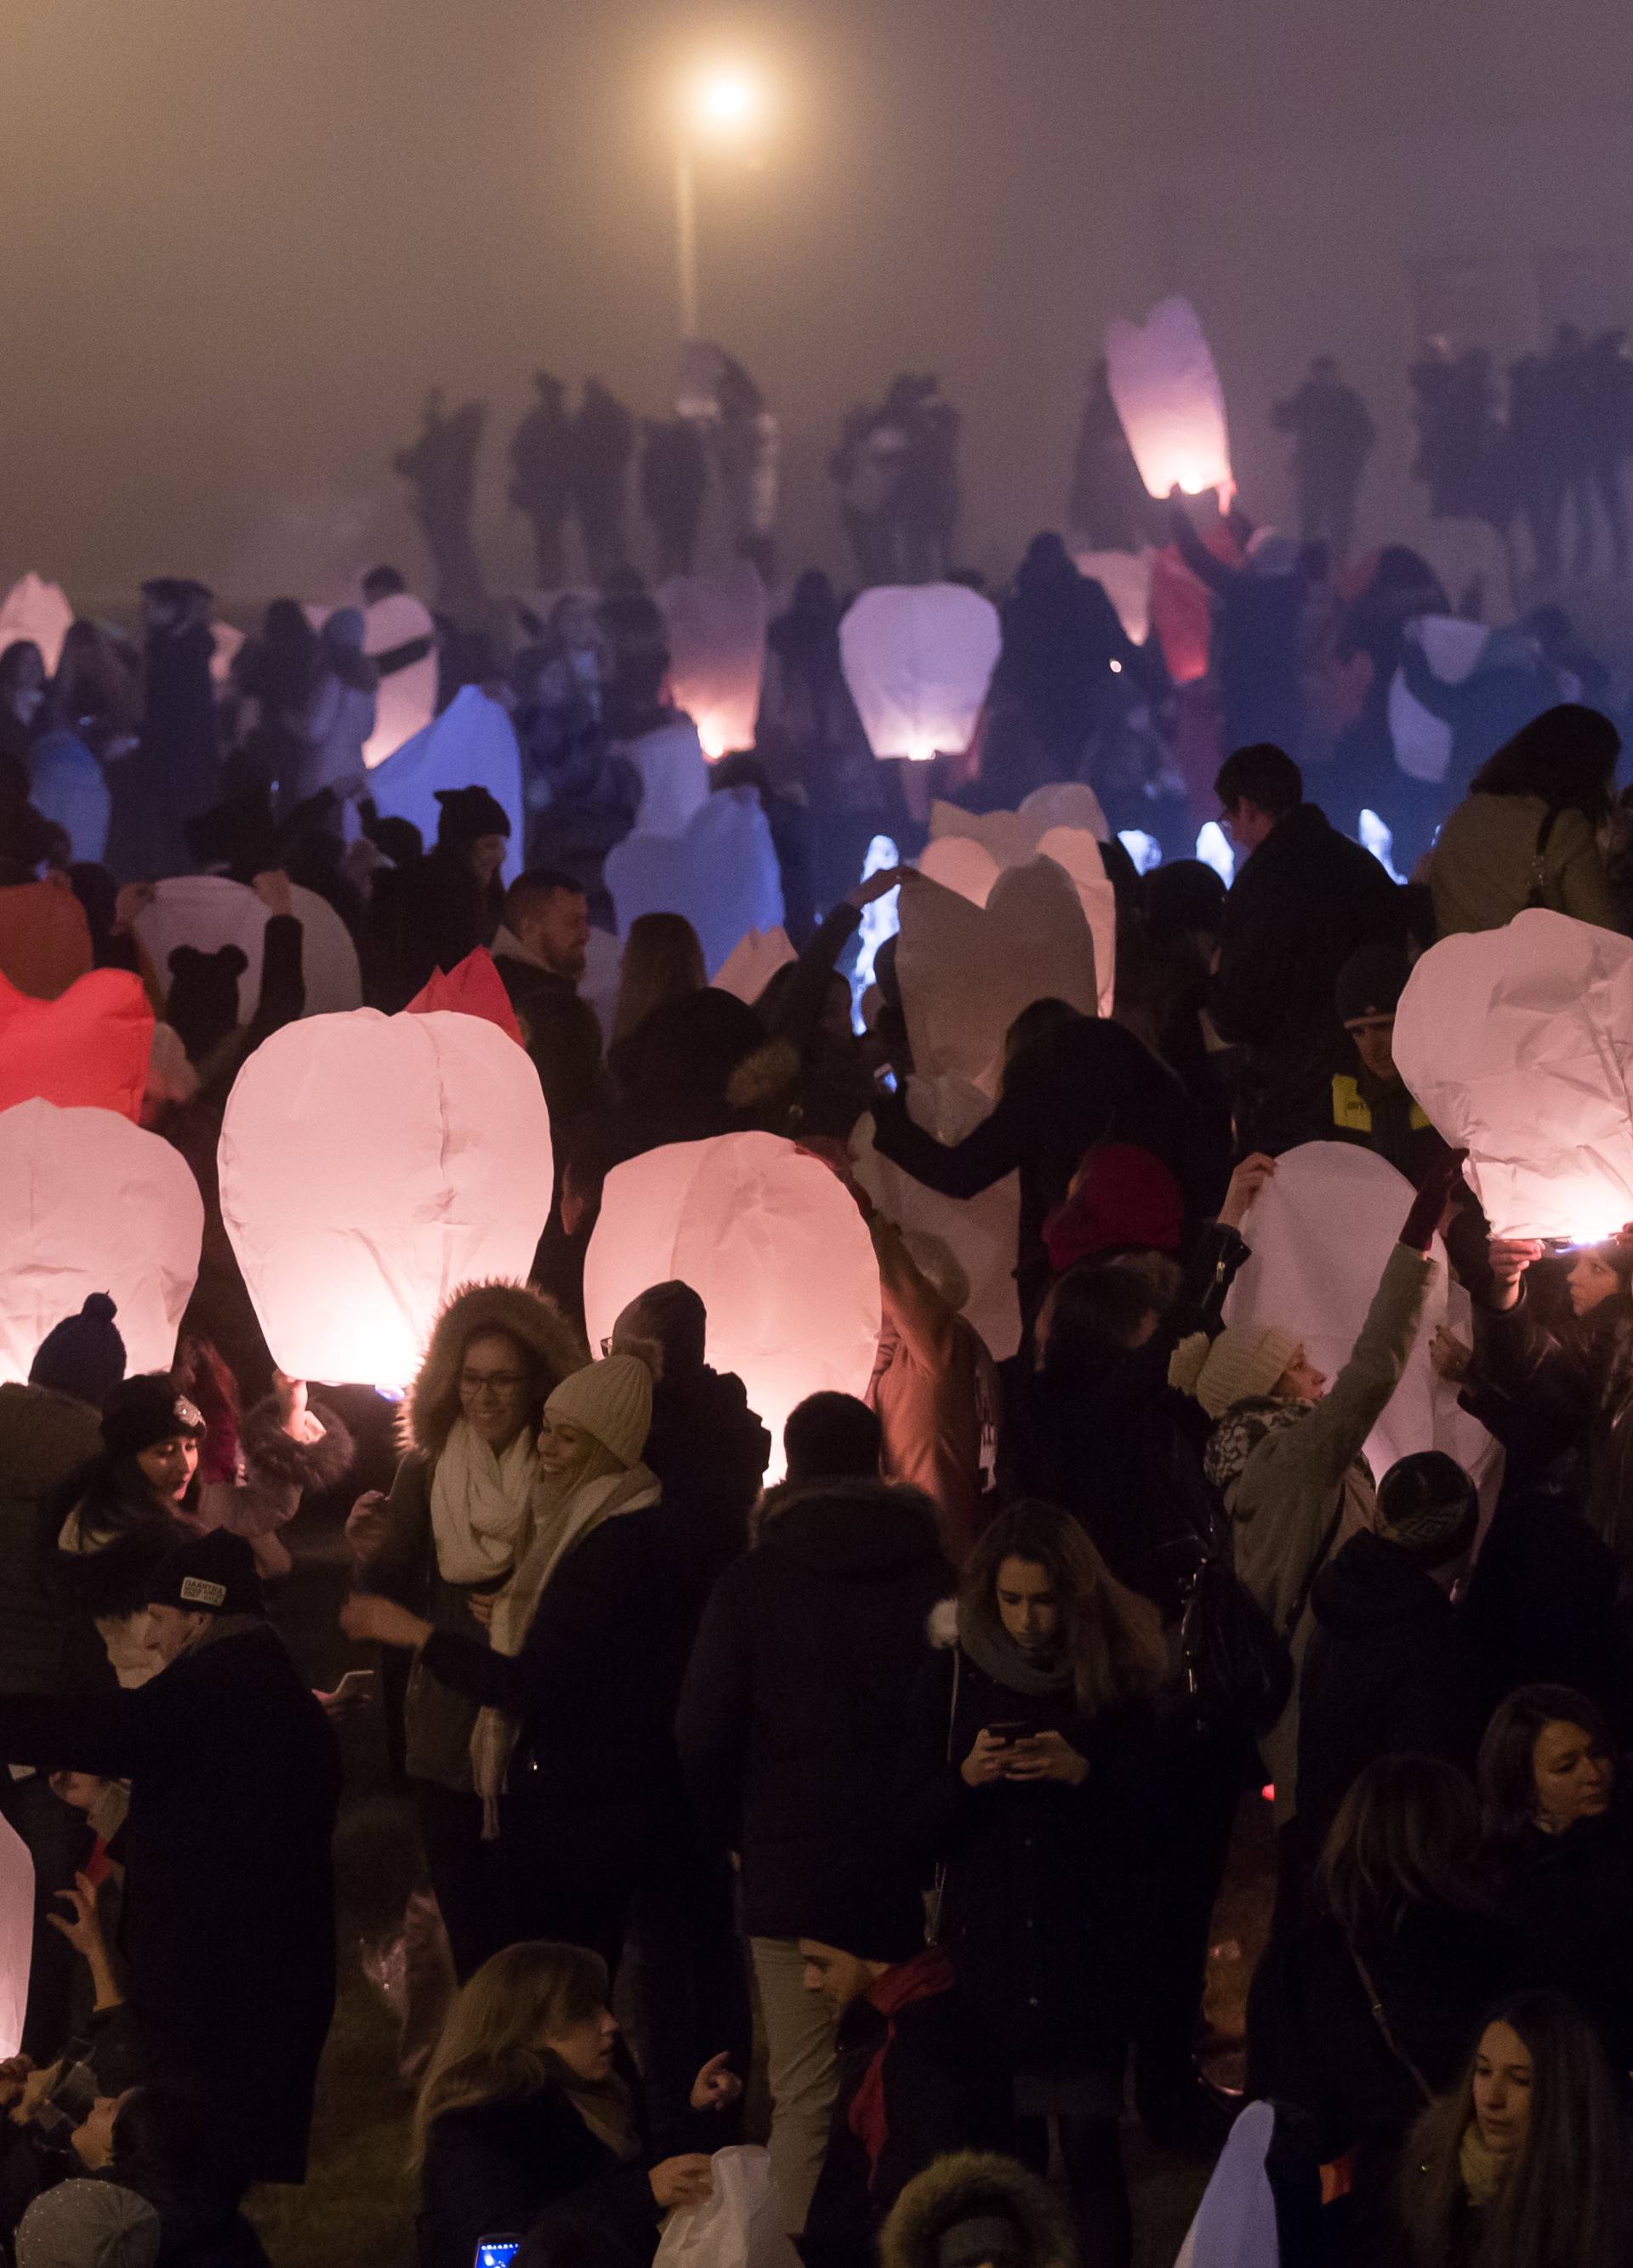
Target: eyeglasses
<point>490,1381</point>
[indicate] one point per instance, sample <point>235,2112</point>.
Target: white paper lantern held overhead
<point>1518,1042</point>
<point>369,1166</point>
<point>210,910</point>
<point>968,851</point>
<point>33,609</point>
<point>919,659</point>
<point>1169,398</point>
<point>91,1203</point>
<point>721,872</point>
<point>774,1247</point>
<point>407,699</point>
<point>471,744</point>
<point>17,1936</point>
<point>716,626</point>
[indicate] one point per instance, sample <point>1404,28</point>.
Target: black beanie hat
<point>468,813</point>
<point>212,1574</point>
<point>1370,983</point>
<point>83,1356</point>
<point>140,1411</point>
<point>872,1914</point>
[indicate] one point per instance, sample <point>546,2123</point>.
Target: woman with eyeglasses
<point>445,1544</point>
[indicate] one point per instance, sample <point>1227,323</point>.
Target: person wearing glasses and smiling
<point>444,1544</point>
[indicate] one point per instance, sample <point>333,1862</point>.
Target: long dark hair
<point>1407,1834</point>
<point>1567,756</point>
<point>1563,2203</point>
<point>1113,1636</point>
<point>492,2045</point>
<point>1506,1768</point>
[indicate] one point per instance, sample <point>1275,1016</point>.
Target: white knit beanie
<point>612,1400</point>
<point>1236,1366</point>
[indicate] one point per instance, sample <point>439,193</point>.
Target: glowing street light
<point>721,104</point>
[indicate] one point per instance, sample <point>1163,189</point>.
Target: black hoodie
<point>1388,1672</point>
<point>790,1718</point>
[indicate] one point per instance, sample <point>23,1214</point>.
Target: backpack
<point>1239,1667</point>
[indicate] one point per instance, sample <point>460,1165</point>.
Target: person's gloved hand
<point>1433,1203</point>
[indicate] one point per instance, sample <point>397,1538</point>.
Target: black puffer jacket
<point>44,1438</point>
<point>1386,1674</point>
<point>791,1713</point>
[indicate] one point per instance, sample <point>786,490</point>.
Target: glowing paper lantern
<point>966,971</point>
<point>407,700</point>
<point>1125,579</point>
<point>752,962</point>
<point>67,784</point>
<point>38,610</point>
<point>1518,1042</point>
<point>87,1049</point>
<point>716,626</point>
<point>369,1166</point>
<point>968,851</point>
<point>90,1202</point>
<point>1214,848</point>
<point>772,1244</point>
<point>1321,1232</point>
<point>603,971</point>
<point>1422,743</point>
<point>674,777</point>
<point>227,642</point>
<point>210,910</point>
<point>980,1231</point>
<point>17,1936</point>
<point>471,744</point>
<point>918,660</point>
<point>1169,401</point>
<point>721,874</point>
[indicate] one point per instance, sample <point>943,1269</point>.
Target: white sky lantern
<point>407,700</point>
<point>1422,742</point>
<point>1125,579</point>
<point>716,624</point>
<point>369,1166</point>
<point>968,851</point>
<point>1169,398</point>
<point>210,910</point>
<point>752,962</point>
<point>17,1936</point>
<point>674,777</point>
<point>966,972</point>
<point>33,609</point>
<point>721,874</point>
<point>91,1203</point>
<point>1518,1044</point>
<point>919,659</point>
<point>772,1244</point>
<point>471,744</point>
<point>1321,1232</point>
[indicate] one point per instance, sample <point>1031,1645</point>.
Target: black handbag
<point>1239,1667</point>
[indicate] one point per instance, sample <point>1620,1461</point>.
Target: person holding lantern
<point>447,1540</point>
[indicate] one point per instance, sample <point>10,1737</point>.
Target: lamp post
<point>719,106</point>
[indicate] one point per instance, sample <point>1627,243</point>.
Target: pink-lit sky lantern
<point>1169,398</point>
<point>917,658</point>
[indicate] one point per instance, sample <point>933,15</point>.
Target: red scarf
<point>921,1978</point>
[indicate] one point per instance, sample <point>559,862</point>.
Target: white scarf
<point>479,1504</point>
<point>554,1530</point>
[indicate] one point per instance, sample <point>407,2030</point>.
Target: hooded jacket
<point>1386,1673</point>
<point>790,1712</point>
<point>972,2186</point>
<point>439,1722</point>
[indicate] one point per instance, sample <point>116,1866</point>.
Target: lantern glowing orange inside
<point>774,1247</point>
<point>919,659</point>
<point>1169,401</point>
<point>369,1166</point>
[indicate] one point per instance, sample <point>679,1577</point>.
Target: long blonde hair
<point>491,2046</point>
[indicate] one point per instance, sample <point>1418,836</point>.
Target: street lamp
<point>719,104</point>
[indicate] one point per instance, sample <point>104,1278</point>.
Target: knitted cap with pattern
<point>1239,1365</point>
<point>609,1400</point>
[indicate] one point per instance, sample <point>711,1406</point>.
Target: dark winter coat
<point>945,2089</point>
<point>1541,1601</point>
<point>791,1713</point>
<point>493,2170</point>
<point>973,2186</point>
<point>1255,645</point>
<point>1305,900</point>
<point>1085,1085</point>
<point>44,1438</point>
<point>562,1036</point>
<point>710,1451</point>
<point>1572,1894</point>
<point>1045,1884</point>
<point>227,1929</point>
<point>1388,1672</point>
<point>1569,1393</point>
<point>592,1782</point>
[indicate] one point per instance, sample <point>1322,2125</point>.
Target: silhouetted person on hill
<point>540,488</point>
<point>674,482</point>
<point>1107,505</point>
<point>1332,437</point>
<point>441,469</point>
<point>604,442</point>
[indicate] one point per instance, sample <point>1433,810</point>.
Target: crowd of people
<point>911,1779</point>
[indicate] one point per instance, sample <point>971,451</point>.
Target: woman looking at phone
<point>1025,1750</point>
<point>531,2105</point>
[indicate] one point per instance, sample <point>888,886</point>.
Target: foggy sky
<point>241,239</point>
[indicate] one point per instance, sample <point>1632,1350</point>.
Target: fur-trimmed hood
<point>860,1529</point>
<point>275,1455</point>
<point>432,1403</point>
<point>975,2185</point>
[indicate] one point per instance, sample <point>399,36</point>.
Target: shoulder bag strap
<point>938,1888</point>
<point>1376,2006</point>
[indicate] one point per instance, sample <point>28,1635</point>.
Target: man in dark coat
<point>1387,1672</point>
<point>539,952</point>
<point>789,1717</point>
<point>541,487</point>
<point>1332,437</point>
<point>1304,900</point>
<point>919,2076</point>
<point>227,1930</point>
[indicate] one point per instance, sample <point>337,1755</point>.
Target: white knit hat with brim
<point>1238,1366</point>
<point>612,1400</point>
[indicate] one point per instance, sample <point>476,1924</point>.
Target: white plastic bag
<point>740,2226</point>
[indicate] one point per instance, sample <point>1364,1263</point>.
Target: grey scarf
<point>993,1651</point>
